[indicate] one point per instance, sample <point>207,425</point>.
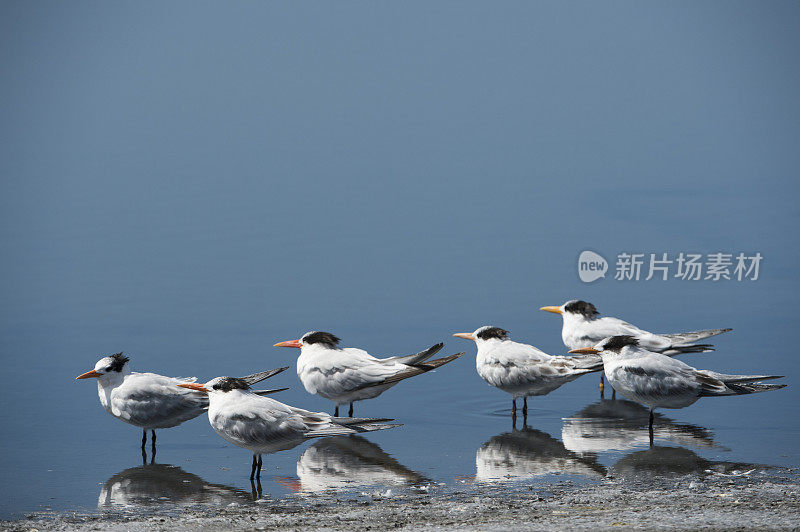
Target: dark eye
<point>109,368</point>
<point>215,387</point>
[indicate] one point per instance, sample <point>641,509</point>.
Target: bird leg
<point>153,441</point>
<point>336,411</point>
<point>144,438</point>
<point>253,468</point>
<point>650,428</point>
<point>613,393</point>
<point>350,413</point>
<point>524,407</point>
<point>258,469</point>
<point>514,405</point>
<point>602,384</point>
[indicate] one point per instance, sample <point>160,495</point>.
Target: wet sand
<point>742,500</point>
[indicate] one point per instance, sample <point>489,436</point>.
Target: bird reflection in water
<point>620,425</point>
<point>528,453</point>
<point>342,462</point>
<point>155,484</point>
<point>676,461</point>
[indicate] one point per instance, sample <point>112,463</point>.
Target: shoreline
<point>743,500</point>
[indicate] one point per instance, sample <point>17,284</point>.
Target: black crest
<point>227,384</point>
<point>492,332</point>
<point>118,360</point>
<point>581,307</point>
<point>616,343</point>
<point>319,337</point>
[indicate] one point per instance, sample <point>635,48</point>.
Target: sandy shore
<point>756,499</point>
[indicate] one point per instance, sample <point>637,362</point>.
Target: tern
<point>658,381</point>
<point>263,425</point>
<point>346,375</point>
<point>584,326</point>
<point>148,400</point>
<point>521,369</point>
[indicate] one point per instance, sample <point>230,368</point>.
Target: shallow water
<point>218,191</point>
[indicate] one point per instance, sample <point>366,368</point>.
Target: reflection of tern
<point>528,453</point>
<point>661,461</point>
<point>346,374</point>
<point>348,461</point>
<point>263,425</point>
<point>160,484</point>
<point>149,400</point>
<point>660,381</point>
<point>521,369</point>
<point>618,425</point>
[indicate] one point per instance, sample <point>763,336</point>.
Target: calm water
<point>191,186</point>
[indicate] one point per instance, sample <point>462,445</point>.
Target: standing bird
<point>346,375</point>
<point>656,380</point>
<point>263,425</point>
<point>149,400</point>
<point>584,327</point>
<point>521,369</point>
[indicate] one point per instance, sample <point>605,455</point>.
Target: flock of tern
<point>638,364</point>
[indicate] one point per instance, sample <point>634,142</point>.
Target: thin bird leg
<point>253,468</point>
<point>258,469</point>
<point>613,393</point>
<point>153,432</point>
<point>350,413</point>
<point>602,383</point>
<point>144,438</point>
<point>336,411</point>
<point>525,407</point>
<point>514,405</point>
<point>650,429</point>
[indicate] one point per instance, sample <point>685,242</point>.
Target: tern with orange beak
<point>521,369</point>
<point>583,326</point>
<point>262,425</point>
<point>658,381</point>
<point>346,375</point>
<point>148,400</point>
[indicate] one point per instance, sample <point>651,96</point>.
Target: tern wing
<point>422,356</point>
<point>155,401</point>
<point>412,371</point>
<point>260,376</point>
<point>680,339</point>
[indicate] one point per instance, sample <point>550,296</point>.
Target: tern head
<point>575,308</point>
<point>116,364</point>
<point>317,338</point>
<point>485,333</point>
<point>612,344</point>
<point>217,385</point>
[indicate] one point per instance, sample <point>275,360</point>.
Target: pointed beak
<point>194,386</point>
<point>88,375</point>
<point>554,310</point>
<point>585,351</point>
<point>289,343</point>
<point>465,336</point>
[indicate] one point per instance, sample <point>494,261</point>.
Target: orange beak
<point>554,310</point>
<point>585,351</point>
<point>465,336</point>
<point>88,375</point>
<point>194,386</point>
<point>289,343</point>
